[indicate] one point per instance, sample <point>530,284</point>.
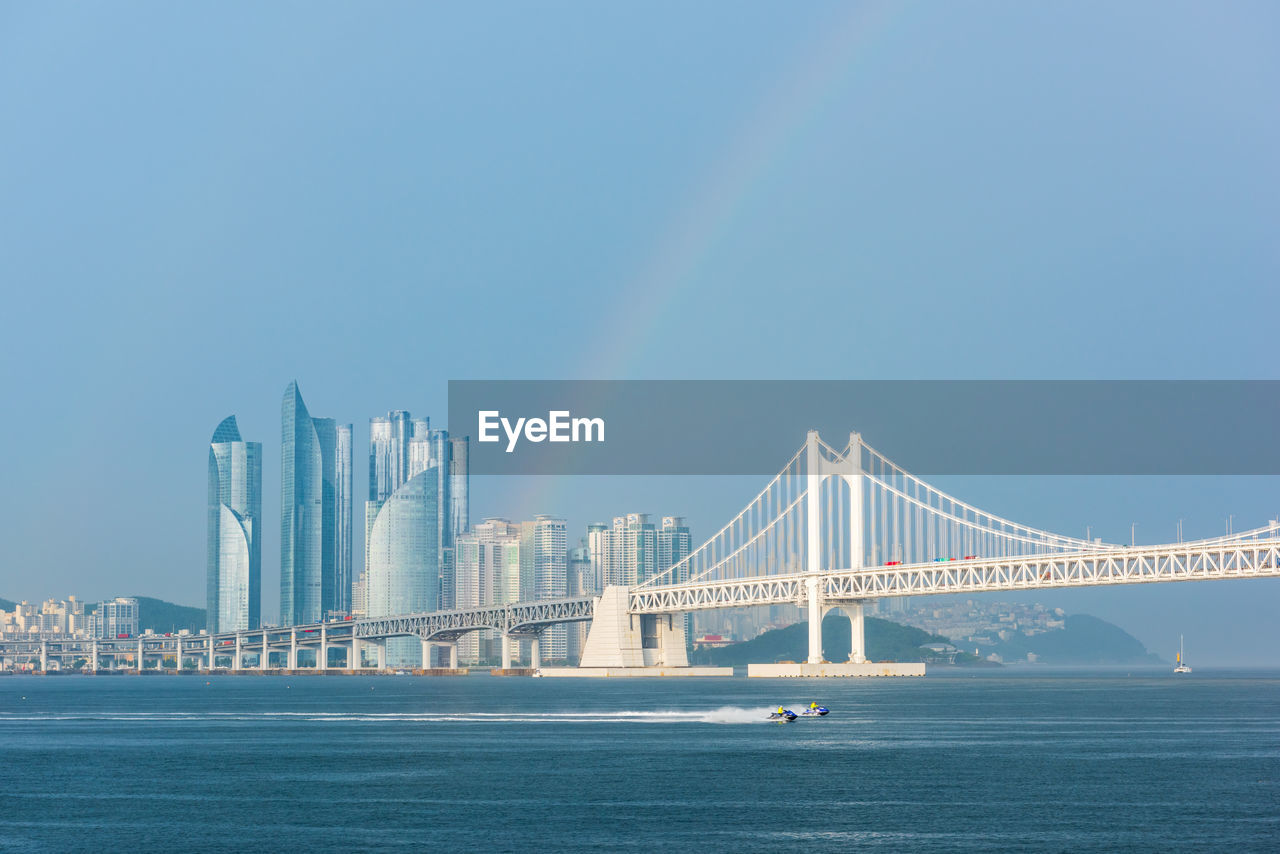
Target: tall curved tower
<point>234,574</point>
<point>403,560</point>
<point>315,496</point>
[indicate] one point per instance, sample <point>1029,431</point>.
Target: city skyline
<point>826,192</point>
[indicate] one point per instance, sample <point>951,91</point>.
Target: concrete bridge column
<point>535,653</point>
<point>813,543</point>
<point>453,655</point>
<point>177,656</point>
<point>93,655</point>
<point>293,649</point>
<point>235,662</point>
<point>506,651</point>
<point>815,621</point>
<point>382,654</point>
<point>427,647</point>
<point>857,644</point>
<point>139,655</point>
<point>353,657</point>
<point>264,660</point>
<point>211,651</point>
<point>44,656</point>
<point>322,657</point>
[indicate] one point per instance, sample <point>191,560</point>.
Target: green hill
<point>6,605</point>
<point>886,641</point>
<point>1083,640</point>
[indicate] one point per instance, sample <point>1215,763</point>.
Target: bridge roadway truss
<point>1143,564</point>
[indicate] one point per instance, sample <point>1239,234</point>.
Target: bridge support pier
<point>453,655</point>
<point>235,662</point>
<point>815,621</point>
<point>139,655</point>
<point>44,656</point>
<point>857,642</point>
<point>93,655</point>
<point>382,654</point>
<point>535,653</point>
<point>354,661</point>
<point>322,657</point>
<point>427,648</point>
<point>292,663</point>
<point>506,651</point>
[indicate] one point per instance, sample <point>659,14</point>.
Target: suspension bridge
<point>834,529</point>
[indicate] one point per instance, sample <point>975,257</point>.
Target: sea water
<point>961,760</point>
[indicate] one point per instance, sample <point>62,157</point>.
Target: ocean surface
<point>1010,760</point>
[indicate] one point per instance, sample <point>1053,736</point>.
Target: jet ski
<point>815,712</point>
<point>786,715</point>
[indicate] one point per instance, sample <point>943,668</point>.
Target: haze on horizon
<point>204,202</point>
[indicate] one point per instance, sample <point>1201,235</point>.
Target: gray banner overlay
<point>728,427</point>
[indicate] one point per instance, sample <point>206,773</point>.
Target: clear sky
<point>202,201</point>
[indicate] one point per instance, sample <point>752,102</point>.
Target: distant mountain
<point>886,641</point>
<point>6,605</point>
<point>1083,640</point>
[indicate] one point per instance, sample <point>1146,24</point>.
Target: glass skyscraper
<point>400,448</point>
<point>403,525</point>
<point>315,513</point>
<point>234,576</point>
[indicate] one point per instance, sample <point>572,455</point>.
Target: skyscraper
<point>402,569</point>
<point>631,551</point>
<point>400,447</point>
<point>315,498</point>
<point>234,515</point>
<point>407,567</point>
<point>488,569</point>
<point>543,575</point>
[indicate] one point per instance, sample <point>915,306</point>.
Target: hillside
<point>1083,640</point>
<point>886,641</point>
<point>6,605</point>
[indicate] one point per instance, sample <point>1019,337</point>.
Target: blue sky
<point>204,201</point>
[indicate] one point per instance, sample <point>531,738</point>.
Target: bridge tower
<point>849,470</point>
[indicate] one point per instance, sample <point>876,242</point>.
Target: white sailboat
<point>1182,662</point>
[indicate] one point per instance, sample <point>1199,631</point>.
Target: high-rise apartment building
<point>487,572</point>
<point>115,619</point>
<point>544,575</point>
<point>234,521</point>
<point>315,498</point>
<point>631,551</point>
<point>581,579</point>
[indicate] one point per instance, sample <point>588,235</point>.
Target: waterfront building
<point>402,570</point>
<point>543,575</point>
<point>581,580</point>
<point>52,618</point>
<point>314,496</point>
<point>487,572</point>
<point>400,447</point>
<point>116,618</point>
<point>234,522</point>
<point>633,550</point>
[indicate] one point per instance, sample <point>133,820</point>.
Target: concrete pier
<point>833,669</point>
